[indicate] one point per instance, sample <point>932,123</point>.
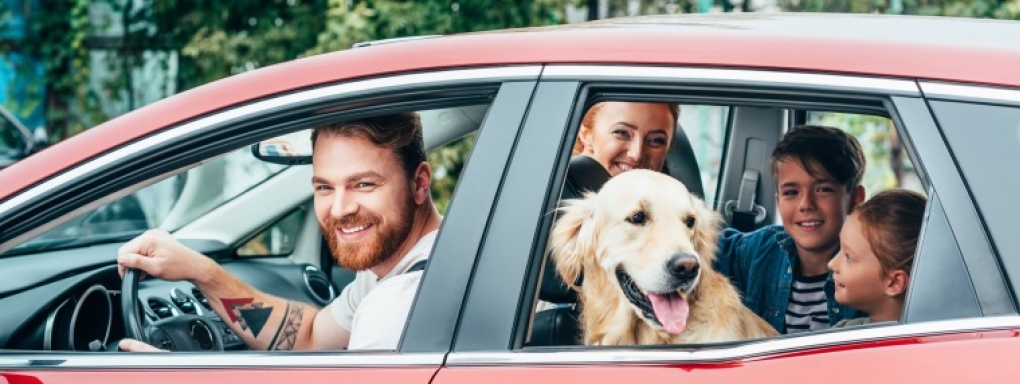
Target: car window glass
<point>888,165</point>
<point>556,317</point>
<point>277,240</point>
<point>985,140</point>
<point>447,162</point>
<point>168,204</point>
<point>705,126</point>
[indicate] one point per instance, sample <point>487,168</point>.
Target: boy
<point>781,270</point>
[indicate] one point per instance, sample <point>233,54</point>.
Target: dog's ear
<point>706,233</point>
<point>573,237</point>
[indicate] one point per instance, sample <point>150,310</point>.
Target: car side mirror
<point>41,138</point>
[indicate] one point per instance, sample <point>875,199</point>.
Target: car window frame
<point>983,265</point>
<point>519,297</point>
<point>942,98</point>
<point>508,89</point>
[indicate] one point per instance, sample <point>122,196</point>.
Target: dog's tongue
<point>671,310</point>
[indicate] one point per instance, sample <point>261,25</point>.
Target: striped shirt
<point>807,310</point>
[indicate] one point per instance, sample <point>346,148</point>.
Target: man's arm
<point>263,321</point>
<point>266,322</point>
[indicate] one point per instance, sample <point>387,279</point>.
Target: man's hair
<point>400,132</point>
<point>836,151</point>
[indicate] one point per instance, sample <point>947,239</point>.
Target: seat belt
<point>743,214</point>
<point>418,266</point>
<point>326,261</point>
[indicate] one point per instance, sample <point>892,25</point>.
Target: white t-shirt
<point>374,310</point>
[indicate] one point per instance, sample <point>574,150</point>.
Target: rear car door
<point>955,258</point>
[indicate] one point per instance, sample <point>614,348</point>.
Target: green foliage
<point>447,163</point>
<point>56,38</point>
<point>217,39</point>
<point>349,22</point>
<point>997,9</point>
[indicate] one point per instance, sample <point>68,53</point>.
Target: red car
<point>934,101</point>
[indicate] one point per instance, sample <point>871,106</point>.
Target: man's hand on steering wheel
<point>158,254</point>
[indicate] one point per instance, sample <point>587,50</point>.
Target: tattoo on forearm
<point>247,314</point>
<point>286,335</point>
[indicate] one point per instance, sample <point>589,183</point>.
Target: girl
<point>877,243</point>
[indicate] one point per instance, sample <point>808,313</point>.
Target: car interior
<point>246,209</point>
<point>735,171</point>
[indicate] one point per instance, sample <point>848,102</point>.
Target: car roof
<point>933,48</point>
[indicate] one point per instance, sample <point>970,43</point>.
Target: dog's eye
<point>637,218</point>
<point>689,221</point>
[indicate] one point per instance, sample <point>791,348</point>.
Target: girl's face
<point>626,136</point>
<point>860,281</point>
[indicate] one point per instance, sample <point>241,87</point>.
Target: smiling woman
<point>627,135</point>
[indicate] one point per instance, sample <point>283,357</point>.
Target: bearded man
<point>374,207</point>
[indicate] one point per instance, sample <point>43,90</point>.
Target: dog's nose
<point>684,266</point>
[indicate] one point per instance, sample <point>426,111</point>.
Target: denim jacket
<point>760,265</point>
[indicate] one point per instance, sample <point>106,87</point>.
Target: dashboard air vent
<point>318,285</point>
<point>200,298</point>
<point>161,308</point>
<point>183,301</point>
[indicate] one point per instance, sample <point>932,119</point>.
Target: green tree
<point>216,39</point>
<point>56,38</point>
<point>349,22</point>
<point>996,9</point>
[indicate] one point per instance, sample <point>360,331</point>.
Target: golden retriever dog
<point>645,246</point>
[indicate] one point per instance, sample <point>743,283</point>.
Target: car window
<point>221,188</point>
<point>985,139</point>
<point>279,239</point>
<point>888,165</point>
<point>705,126</point>
<point>447,162</point>
<point>168,204</point>
<point>619,294</point>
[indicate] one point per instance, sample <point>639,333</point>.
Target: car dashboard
<point>73,302</point>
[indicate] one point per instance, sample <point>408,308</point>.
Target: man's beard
<point>375,250</point>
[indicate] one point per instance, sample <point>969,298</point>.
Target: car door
<point>955,261</point>
<point>432,321</point>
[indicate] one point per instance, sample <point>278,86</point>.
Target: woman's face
<point>625,136</point>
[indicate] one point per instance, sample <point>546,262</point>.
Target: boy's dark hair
<point>400,132</point>
<point>836,151</point>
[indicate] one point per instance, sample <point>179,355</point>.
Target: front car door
<point>38,290</point>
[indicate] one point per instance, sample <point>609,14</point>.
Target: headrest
<point>583,174</point>
<point>682,164</point>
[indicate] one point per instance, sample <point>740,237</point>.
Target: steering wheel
<point>183,332</point>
